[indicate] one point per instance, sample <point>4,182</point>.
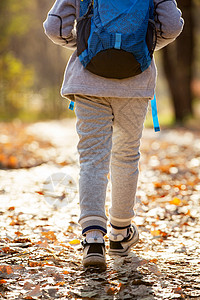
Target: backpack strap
<point>151,10</point>
<point>86,8</point>
<point>155,114</point>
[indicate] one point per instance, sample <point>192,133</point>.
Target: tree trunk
<point>178,61</point>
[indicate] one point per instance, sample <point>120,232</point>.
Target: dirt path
<point>40,251</point>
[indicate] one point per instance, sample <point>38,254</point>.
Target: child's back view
<point>110,116</point>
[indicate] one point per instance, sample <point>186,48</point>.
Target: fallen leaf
<point>35,292</point>
<point>60,283</point>
<point>6,269</point>
<point>12,162</point>
<point>156,232</point>
<point>154,260</point>
<point>22,240</point>
<point>154,269</point>
<point>188,213</point>
<point>28,285</point>
<point>70,229</point>
<point>50,235</point>
<point>11,208</point>
<point>18,233</point>
<point>157,185</point>
<point>178,290</point>
<point>8,250</point>
<point>175,201</point>
<point>42,244</point>
<point>109,290</point>
<point>121,286</point>
<point>74,242</point>
<point>3,281</point>
<point>40,193</point>
<point>35,263</point>
<point>13,223</point>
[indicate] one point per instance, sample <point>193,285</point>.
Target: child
<point>110,116</point>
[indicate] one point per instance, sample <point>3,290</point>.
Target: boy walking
<point>110,116</point>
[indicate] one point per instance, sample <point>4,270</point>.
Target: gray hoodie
<point>60,28</point>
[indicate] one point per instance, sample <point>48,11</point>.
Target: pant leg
<point>129,115</point>
<point>94,127</point>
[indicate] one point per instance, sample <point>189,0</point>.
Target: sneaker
<point>94,253</point>
<point>120,245</point>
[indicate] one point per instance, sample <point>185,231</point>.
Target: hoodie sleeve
<point>169,22</point>
<point>59,24</point>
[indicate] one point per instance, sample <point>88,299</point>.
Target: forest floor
<point>40,238</point>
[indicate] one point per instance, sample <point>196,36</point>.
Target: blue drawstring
<point>155,114</point>
<point>71,105</point>
<point>153,108</point>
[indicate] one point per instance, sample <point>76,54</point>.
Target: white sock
<point>94,234</point>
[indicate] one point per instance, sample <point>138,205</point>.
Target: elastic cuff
<point>95,227</point>
<point>123,223</point>
<point>93,223</point>
<point>120,227</point>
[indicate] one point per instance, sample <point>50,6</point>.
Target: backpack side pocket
<point>83,28</point>
<point>151,37</point>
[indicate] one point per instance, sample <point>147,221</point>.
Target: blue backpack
<point>116,38</point>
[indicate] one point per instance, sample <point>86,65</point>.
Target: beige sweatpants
<point>109,132</point>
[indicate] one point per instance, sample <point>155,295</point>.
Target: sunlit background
<point>32,67</point>
<point>40,238</point>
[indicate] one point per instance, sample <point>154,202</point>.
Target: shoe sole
<point>94,261</point>
<point>125,252</point>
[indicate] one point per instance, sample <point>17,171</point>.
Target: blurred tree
<point>32,67</point>
<point>29,62</point>
<point>16,79</point>
<point>15,83</point>
<point>48,60</point>
<point>178,59</point>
